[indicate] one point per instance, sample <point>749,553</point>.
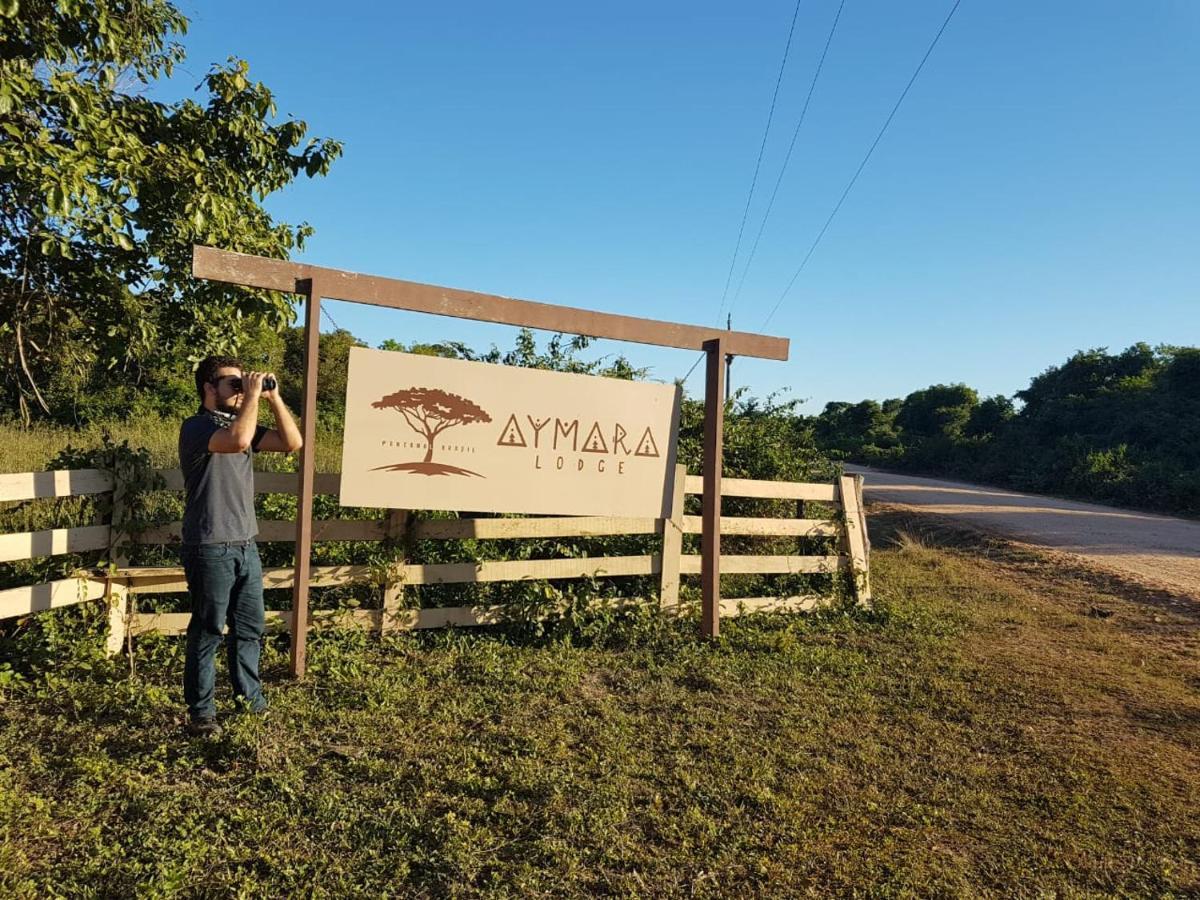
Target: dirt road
<point>1157,550</point>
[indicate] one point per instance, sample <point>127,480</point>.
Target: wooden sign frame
<point>315,282</point>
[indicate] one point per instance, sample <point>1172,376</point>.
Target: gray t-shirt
<point>219,486</point>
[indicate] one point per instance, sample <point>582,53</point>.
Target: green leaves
<point>103,191</point>
<point>56,201</point>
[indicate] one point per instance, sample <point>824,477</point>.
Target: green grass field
<point>997,727</point>
<point>32,449</point>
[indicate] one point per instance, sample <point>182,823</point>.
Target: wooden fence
<point>843,498</point>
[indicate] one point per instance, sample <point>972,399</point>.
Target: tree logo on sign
<point>429,412</point>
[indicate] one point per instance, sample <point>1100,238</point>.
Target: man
<point>220,558</point>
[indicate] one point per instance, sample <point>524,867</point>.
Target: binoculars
<point>235,384</point>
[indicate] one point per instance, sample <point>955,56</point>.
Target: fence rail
<point>57,483</point>
<point>845,495</point>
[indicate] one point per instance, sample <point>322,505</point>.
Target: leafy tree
<point>1181,374</point>
<point>1117,427</point>
<point>103,191</point>
<point>989,417</point>
<point>449,351</point>
<point>561,355</point>
<point>848,427</point>
<point>764,439</point>
<point>1090,372</point>
<point>332,371</point>
<point>938,411</point>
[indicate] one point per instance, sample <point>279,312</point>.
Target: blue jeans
<point>226,587</point>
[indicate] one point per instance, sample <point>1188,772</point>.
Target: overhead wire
<point>788,156</point>
<point>689,372</point>
<point>754,178</point>
<point>758,163</point>
<point>862,165</point>
<point>325,312</point>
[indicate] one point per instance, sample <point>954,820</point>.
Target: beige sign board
<point>424,432</point>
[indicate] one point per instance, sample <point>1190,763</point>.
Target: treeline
<point>763,439</point>
<point>1120,428</point>
<point>166,389</point>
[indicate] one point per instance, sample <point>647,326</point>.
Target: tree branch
<point>25,368</point>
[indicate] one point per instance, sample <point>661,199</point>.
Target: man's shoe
<point>205,726</point>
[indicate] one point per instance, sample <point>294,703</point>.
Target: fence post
<point>393,591</point>
<point>672,545</point>
<point>305,477</point>
<point>710,531</point>
<point>862,514</point>
<point>856,538</point>
<point>116,593</point>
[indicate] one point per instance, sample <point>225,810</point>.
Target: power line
<point>787,158</point>
<point>758,164</point>
<point>693,368</point>
<point>325,312</point>
<point>754,179</point>
<point>862,165</point>
<point>704,353</point>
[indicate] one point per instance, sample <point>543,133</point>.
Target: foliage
<point>129,506</point>
<point>103,191</point>
<point>989,417</point>
<point>765,439</point>
<point>939,411</point>
<point>561,355</point>
<point>332,372</point>
<point>1121,428</point>
<point>844,427</point>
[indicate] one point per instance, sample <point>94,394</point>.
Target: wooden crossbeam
<point>336,284</point>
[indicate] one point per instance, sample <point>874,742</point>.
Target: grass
<point>985,732</point>
<point>32,449</point>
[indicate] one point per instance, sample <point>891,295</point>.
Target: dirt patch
<point>1159,552</point>
<point>894,525</point>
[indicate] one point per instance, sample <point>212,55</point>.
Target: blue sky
<point>1037,193</point>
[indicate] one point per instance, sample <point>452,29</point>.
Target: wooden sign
<point>424,432</point>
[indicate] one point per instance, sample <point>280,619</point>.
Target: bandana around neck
<point>223,419</point>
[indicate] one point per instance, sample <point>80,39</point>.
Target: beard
<point>230,406</point>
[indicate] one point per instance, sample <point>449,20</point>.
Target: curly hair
<point>207,370</point>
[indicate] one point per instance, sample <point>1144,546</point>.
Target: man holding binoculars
<point>220,558</point>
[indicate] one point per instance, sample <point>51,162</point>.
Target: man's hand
<point>252,386</point>
<point>239,436</point>
<point>285,436</point>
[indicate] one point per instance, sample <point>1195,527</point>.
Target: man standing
<point>220,558</point>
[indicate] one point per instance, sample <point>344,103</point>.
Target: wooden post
<point>115,593</point>
<point>308,462</point>
<point>393,592</point>
<point>672,545</point>
<point>862,511</point>
<point>856,538</point>
<point>714,440</point>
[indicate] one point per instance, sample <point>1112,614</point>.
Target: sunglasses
<point>235,383</point>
